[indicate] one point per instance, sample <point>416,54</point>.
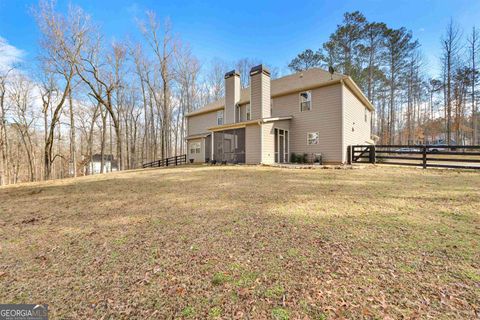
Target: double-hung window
<point>248,109</point>
<point>195,147</point>
<point>305,101</point>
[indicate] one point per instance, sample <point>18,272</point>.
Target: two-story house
<point>311,112</point>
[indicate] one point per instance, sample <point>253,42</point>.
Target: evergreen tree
<point>306,60</point>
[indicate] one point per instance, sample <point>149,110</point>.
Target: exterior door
<point>281,146</point>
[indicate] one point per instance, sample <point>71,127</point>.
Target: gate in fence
<point>437,156</point>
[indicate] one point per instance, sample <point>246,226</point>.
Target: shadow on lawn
<point>311,242</point>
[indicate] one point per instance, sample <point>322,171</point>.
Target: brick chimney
<point>232,96</point>
<point>260,92</point>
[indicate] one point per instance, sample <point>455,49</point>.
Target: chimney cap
<point>260,69</point>
<point>231,74</point>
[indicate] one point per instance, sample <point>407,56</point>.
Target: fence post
<point>175,160</point>
<point>424,157</point>
<point>372,154</point>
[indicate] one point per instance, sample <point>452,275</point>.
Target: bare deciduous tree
<point>62,40</point>
<point>450,47</point>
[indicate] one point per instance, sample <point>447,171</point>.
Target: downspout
<point>342,125</point>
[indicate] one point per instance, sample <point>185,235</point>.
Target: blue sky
<point>271,31</point>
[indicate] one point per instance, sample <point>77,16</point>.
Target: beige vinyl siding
<point>266,97</point>
<point>197,157</point>
<point>282,124</point>
<point>199,123</point>
<point>325,117</point>
<point>260,96</point>
<point>253,144</point>
<point>232,90</point>
<point>243,113</point>
<point>268,143</point>
<point>354,117</point>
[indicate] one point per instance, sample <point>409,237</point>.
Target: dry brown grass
<point>246,242</point>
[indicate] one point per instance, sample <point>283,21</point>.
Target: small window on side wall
<point>313,138</point>
<point>248,111</point>
<point>366,115</point>
<point>305,101</point>
<point>220,117</point>
<point>195,147</point>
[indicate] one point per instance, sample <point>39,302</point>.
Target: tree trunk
<point>104,136</point>
<point>73,147</point>
<point>474,78</point>
<point>449,100</point>
<point>90,138</point>
<point>5,178</point>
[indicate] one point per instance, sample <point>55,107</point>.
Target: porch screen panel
<point>208,148</point>
<point>218,146</point>
<point>230,146</point>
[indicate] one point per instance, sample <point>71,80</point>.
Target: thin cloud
<point>9,55</point>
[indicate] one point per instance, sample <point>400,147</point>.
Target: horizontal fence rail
<point>435,156</point>
<point>172,161</point>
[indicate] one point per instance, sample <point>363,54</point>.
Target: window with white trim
<point>248,109</point>
<point>220,117</point>
<point>195,147</point>
<point>313,138</point>
<point>305,101</point>
<point>366,115</point>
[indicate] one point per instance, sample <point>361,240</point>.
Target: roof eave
<point>344,79</point>
<point>358,92</point>
<point>234,125</point>
<point>199,112</point>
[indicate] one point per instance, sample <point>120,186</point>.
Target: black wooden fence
<point>438,156</point>
<point>172,161</point>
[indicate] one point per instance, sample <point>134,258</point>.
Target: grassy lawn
<point>246,242</point>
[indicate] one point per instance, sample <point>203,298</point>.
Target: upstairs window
<point>249,112</point>
<point>305,101</point>
<point>220,117</point>
<point>366,115</point>
<point>313,138</point>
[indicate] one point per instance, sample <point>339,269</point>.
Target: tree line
<point>88,95</point>
<point>85,94</point>
<point>412,105</point>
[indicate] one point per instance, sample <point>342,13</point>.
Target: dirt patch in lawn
<point>246,242</point>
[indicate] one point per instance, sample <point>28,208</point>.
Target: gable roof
<point>309,79</point>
